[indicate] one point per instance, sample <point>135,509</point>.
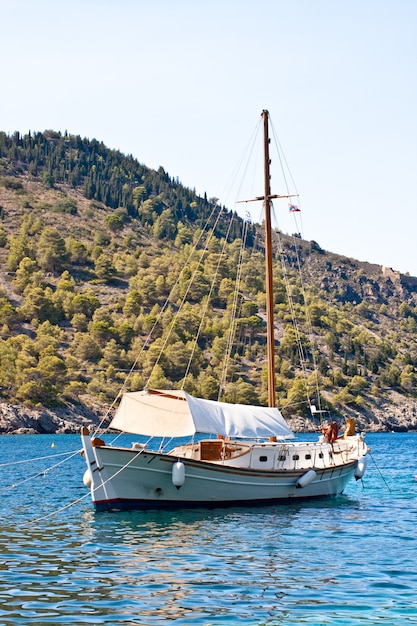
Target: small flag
<point>248,217</point>
<point>293,208</point>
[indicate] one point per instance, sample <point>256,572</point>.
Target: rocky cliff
<point>395,413</point>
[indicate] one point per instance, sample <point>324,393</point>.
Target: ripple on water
<point>345,562</point>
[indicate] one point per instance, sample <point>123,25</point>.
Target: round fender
<point>306,479</point>
<point>178,474</point>
<point>87,478</point>
<point>360,468</point>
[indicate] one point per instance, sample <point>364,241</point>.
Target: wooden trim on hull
<point>226,470</point>
<point>125,479</point>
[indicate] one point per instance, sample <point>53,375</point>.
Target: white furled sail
<point>154,414</point>
<point>237,420</point>
<point>177,414</point>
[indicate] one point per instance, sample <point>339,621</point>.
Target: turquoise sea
<point>348,561</point>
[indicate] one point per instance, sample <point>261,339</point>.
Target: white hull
<point>124,478</point>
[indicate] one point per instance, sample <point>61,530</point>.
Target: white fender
<point>178,474</point>
<point>360,468</point>
<point>87,478</point>
<point>306,479</point>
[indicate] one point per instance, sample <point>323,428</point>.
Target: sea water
<point>352,560</point>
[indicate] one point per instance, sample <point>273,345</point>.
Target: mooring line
<point>379,472</point>
<point>86,495</point>
<point>39,458</point>
<point>43,472</point>
<point>56,511</point>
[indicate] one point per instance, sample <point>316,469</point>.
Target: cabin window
<point>263,458</point>
<point>308,456</point>
<point>282,457</point>
<point>295,457</point>
<point>321,455</point>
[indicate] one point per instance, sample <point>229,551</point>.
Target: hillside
<point>91,245</point>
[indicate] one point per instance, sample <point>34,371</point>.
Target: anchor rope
<point>86,495</point>
<point>379,471</point>
<point>39,458</point>
<point>43,472</point>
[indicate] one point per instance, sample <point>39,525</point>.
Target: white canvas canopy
<point>177,414</point>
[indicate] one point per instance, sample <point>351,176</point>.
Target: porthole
<point>263,458</point>
<point>282,457</point>
<point>308,456</point>
<point>321,455</point>
<point>295,457</point>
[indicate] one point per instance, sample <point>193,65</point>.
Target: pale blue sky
<point>182,84</point>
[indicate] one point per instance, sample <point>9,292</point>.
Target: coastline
<point>21,420</point>
<point>394,412</point>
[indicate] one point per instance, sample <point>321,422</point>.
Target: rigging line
<point>70,504</point>
<point>282,159</point>
<point>297,331</point>
<point>221,256</point>
<point>301,350</point>
<point>39,458</point>
<point>234,314</point>
<point>190,283</point>
<point>188,261</point>
<point>285,274</point>
<point>63,508</point>
<point>210,235</point>
<point>45,471</point>
<point>308,318</point>
<point>289,404</point>
<point>298,229</point>
<point>249,160</point>
<point>113,441</point>
<point>233,322</point>
<point>379,472</point>
<point>116,438</point>
<point>150,334</point>
<point>235,309</point>
<point>309,325</point>
<point>248,150</point>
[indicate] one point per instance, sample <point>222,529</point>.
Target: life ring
<point>332,432</point>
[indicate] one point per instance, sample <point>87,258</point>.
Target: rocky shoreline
<point>21,420</point>
<point>392,413</point>
<point>395,413</point>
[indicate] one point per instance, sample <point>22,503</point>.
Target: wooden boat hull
<point>123,479</point>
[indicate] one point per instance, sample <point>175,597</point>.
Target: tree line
<point>96,251</point>
<point>110,177</point>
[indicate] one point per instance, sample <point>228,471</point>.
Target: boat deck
<point>273,455</point>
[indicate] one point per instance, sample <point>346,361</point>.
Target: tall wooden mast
<point>268,268</point>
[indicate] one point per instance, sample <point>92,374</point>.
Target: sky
<point>182,83</point>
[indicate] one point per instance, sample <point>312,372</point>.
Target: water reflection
<point>187,565</point>
<point>343,560</point>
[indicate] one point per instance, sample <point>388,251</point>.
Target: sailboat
<point>238,455</point>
